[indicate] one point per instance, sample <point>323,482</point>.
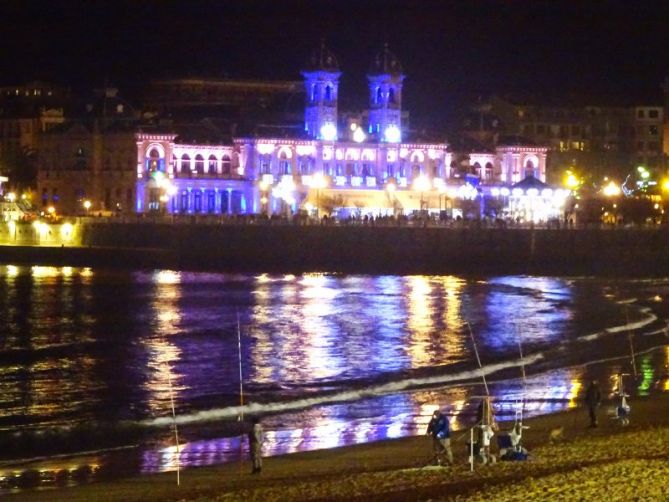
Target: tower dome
<point>385,97</point>
<point>322,59</point>
<point>385,63</point>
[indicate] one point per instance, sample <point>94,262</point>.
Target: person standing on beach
<point>593,398</point>
<point>440,431</point>
<point>256,438</point>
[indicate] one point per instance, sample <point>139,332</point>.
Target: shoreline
<point>396,469</point>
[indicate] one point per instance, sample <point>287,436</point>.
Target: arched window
<point>304,165</point>
<point>197,201</point>
<point>391,95</point>
<point>265,165</point>
<point>328,93</point>
<point>476,168</point>
<point>199,164</point>
<point>314,92</point>
<point>225,202</point>
<point>213,161</point>
<point>183,201</point>
<point>153,161</point>
<point>379,95</point>
<point>529,168</point>
<point>488,171</point>
<point>284,164</point>
<point>185,164</point>
<point>226,165</point>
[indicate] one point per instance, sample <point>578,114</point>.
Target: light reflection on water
<point>162,382</point>
<point>396,416</point>
<point>84,345</point>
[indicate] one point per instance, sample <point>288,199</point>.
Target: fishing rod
<point>174,423</point>
<point>240,417</point>
<point>522,370</point>
<point>478,359</point>
<point>485,404</point>
<point>629,337</point>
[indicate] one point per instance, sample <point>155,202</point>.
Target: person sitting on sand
<point>255,445</point>
<point>440,431</point>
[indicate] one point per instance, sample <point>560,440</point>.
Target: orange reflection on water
<point>666,368</point>
<point>12,271</point>
<point>39,272</point>
<point>452,338</point>
<point>574,392</point>
<point>420,323</point>
<point>163,380</point>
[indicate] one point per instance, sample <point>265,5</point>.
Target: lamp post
<point>319,181</point>
<point>284,190</point>
<point>422,184</point>
<point>263,186</point>
<point>87,206</point>
<point>391,187</point>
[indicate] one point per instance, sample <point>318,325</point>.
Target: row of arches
<point>185,165</point>
<point>349,167</point>
<point>328,92</point>
<point>209,201</point>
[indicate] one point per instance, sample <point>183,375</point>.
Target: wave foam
<point>351,395</point>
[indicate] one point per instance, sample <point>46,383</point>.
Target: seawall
<point>348,249</point>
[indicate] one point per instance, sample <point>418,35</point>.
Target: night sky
<point>599,51</point>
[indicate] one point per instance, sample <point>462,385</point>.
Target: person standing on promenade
<point>593,398</point>
<point>440,431</point>
<point>256,437</point>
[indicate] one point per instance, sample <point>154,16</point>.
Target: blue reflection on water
<point>98,346</point>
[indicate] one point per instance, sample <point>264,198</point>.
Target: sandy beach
<point>611,462</point>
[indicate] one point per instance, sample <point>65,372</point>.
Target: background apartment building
<point>596,140</point>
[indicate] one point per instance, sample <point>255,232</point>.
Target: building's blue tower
<point>321,79</point>
<point>385,97</point>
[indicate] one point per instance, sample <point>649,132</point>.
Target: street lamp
<point>284,190</point>
<point>263,186</point>
<point>318,181</point>
<point>87,206</point>
<point>391,187</point>
<point>571,181</point>
<point>611,190</point>
<point>422,184</point>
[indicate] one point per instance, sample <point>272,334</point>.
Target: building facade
<point>597,140</point>
<point>360,169</point>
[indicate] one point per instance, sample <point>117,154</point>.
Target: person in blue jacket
<point>440,431</point>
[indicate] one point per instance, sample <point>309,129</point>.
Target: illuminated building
<point>90,157</point>
<point>361,169</point>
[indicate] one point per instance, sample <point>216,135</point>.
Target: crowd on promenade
<point>415,220</point>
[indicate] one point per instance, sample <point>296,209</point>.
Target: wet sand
<point>610,462</point>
